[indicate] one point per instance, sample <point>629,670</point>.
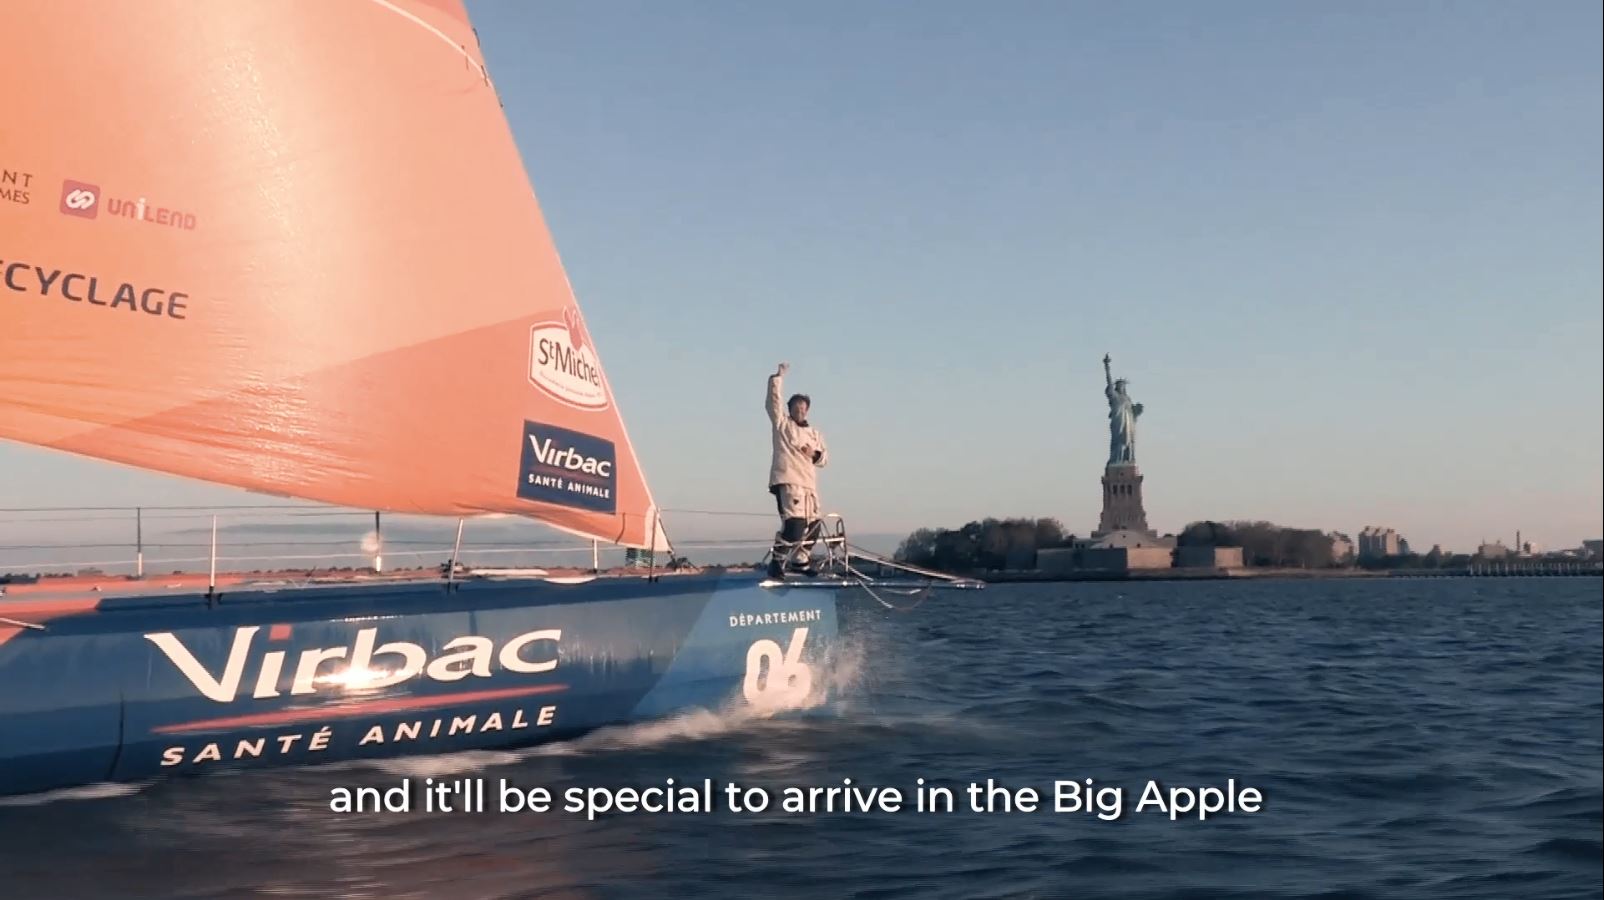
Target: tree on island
<point>1263,543</point>
<point>989,544</point>
<point>995,544</point>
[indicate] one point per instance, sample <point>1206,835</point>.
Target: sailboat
<point>293,249</point>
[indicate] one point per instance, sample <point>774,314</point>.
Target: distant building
<point>1593,549</point>
<point>1124,559</point>
<point>1121,550</point>
<point>1375,543</point>
<point>1495,550</point>
<point>1208,557</point>
<point>1128,538</point>
<point>1058,560</point>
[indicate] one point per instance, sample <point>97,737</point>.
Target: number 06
<point>788,677</point>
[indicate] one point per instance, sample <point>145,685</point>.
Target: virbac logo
<point>471,655</point>
<point>563,363</point>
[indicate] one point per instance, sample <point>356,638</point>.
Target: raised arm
<point>772,403</point>
<point>1107,375</point>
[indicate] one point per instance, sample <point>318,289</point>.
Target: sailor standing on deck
<point>799,451</point>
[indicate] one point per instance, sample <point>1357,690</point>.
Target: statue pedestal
<point>1122,501</point>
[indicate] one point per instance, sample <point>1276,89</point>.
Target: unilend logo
<point>568,468</point>
<point>80,199</point>
<point>563,363</point>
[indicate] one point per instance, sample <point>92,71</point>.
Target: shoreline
<point>1575,570</point>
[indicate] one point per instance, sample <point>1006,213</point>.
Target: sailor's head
<point>798,407</point>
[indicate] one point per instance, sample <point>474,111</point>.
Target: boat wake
<point>104,791</point>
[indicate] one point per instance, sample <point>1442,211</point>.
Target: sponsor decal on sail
<point>15,186</point>
<point>84,200</point>
<point>80,199</point>
<point>568,468</point>
<point>563,363</point>
<point>92,290</point>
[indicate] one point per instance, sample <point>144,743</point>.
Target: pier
<point>1536,568</point>
<point>1526,568</point>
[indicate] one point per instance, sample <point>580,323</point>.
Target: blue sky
<point>1348,255</point>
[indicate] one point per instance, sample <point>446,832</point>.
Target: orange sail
<point>291,247</point>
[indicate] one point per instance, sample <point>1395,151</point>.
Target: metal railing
<point>141,540</point>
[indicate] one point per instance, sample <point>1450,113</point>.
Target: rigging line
<point>864,582</point>
<point>17,623</point>
<point>436,551</point>
<point>907,567</point>
<point>720,512</point>
<point>301,509</point>
<point>208,507</point>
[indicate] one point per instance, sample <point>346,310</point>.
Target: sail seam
<point>435,31</point>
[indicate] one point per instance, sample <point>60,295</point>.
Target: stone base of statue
<point>1122,501</point>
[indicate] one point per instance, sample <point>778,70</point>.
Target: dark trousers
<point>799,523</point>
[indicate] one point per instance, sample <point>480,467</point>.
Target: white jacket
<point>795,445</point>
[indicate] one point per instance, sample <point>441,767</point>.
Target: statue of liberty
<point>1122,415</point>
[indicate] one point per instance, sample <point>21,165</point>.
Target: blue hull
<point>137,687</point>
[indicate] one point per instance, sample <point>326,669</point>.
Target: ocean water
<point>1409,738</point>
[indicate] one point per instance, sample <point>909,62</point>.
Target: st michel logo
<point>563,363</point>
